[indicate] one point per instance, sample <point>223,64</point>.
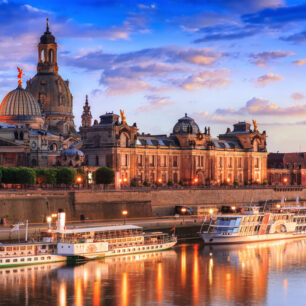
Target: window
<point>175,178</point>
<point>151,160</point>
<point>220,162</point>
<point>230,162</point>
<point>175,161</point>
<point>202,161</point>
<point>15,260</point>
<point>22,259</point>
<point>139,160</point>
<point>7,260</point>
<point>124,160</point>
<point>35,258</point>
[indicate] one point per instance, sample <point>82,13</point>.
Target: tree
<point>65,175</point>
<point>45,176</point>
<point>25,176</point>
<point>170,183</point>
<point>133,182</point>
<point>236,183</point>
<point>104,175</point>
<point>9,175</point>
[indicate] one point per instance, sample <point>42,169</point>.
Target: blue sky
<point>221,61</point>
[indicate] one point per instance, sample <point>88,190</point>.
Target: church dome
<point>19,107</point>
<point>71,152</point>
<point>186,125</point>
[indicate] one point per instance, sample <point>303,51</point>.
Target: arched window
<point>124,141</point>
<point>51,56</point>
<point>97,160</point>
<point>34,162</point>
<point>255,145</point>
<point>175,178</point>
<point>42,57</point>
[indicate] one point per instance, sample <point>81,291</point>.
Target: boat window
<point>29,247</point>
<point>21,259</point>
<point>15,260</point>
<point>7,260</point>
<point>49,257</point>
<point>1,249</point>
<point>35,258</point>
<point>42,258</point>
<point>235,230</point>
<point>9,248</point>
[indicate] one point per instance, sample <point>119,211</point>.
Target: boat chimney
<point>61,220</point>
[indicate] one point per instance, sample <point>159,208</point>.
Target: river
<point>272,273</point>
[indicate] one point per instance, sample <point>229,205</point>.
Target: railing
<point>18,187</point>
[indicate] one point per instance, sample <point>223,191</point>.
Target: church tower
<point>47,52</point>
<point>86,116</point>
<point>50,90</point>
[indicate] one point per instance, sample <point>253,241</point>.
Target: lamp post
<point>124,214</point>
<point>49,220</point>
<point>183,211</point>
<point>285,180</point>
<point>196,180</point>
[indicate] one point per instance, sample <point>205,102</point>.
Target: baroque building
<point>36,123</point>
<point>187,154</point>
<point>50,90</point>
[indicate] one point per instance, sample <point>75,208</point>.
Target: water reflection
<point>190,274</point>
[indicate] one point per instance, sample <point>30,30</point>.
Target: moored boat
<point>254,226</point>
<point>20,254</point>
<point>96,242</point>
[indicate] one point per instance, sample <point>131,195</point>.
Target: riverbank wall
<point>36,205</point>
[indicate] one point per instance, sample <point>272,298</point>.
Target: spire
<point>47,30</point>
<point>86,116</point>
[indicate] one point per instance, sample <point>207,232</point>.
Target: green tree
<point>9,175</point>
<point>45,176</point>
<point>181,182</point>
<point>170,183</point>
<point>25,175</point>
<point>104,175</point>
<point>236,183</point>
<point>65,175</point>
<point>133,182</point>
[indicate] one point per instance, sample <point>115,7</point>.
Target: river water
<point>272,273</point>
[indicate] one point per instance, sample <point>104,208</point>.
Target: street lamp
<point>124,213</point>
<point>211,211</point>
<point>183,211</point>
<point>228,180</point>
<point>49,220</point>
<point>196,180</point>
<point>79,179</point>
<point>285,180</point>
<point>233,208</point>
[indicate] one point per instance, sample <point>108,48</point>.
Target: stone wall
<point>94,205</point>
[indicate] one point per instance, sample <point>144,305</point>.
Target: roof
<point>100,229</point>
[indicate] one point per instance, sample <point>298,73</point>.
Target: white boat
<point>254,226</point>
<point>20,254</point>
<point>96,242</point>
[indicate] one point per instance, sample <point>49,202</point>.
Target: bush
<point>134,182</point>
<point>104,176</point>
<point>246,182</point>
<point>181,182</point>
<point>265,182</point>
<point>236,183</point>
<point>45,176</point>
<point>170,183</point>
<point>146,183</point>
<point>65,176</point>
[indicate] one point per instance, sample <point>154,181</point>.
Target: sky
<point>219,61</point>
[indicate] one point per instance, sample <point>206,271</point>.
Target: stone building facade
<point>187,154</point>
<point>287,168</point>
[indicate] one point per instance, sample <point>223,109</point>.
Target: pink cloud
<point>268,78</point>
<point>297,96</point>
<point>155,103</point>
<point>300,62</point>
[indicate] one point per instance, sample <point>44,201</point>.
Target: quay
<point>186,227</point>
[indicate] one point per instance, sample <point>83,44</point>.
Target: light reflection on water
<point>272,273</point>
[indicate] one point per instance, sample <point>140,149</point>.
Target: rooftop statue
<point>20,74</point>
<point>123,118</point>
<point>255,126</point>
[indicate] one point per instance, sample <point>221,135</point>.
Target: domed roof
<point>52,93</point>
<point>71,151</point>
<point>20,106</point>
<point>186,125</point>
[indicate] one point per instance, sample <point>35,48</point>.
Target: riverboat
<point>20,254</point>
<point>255,226</point>
<point>96,242</point>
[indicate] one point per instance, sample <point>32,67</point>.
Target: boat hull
<point>30,260</point>
<point>211,239</point>
<point>123,251</point>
